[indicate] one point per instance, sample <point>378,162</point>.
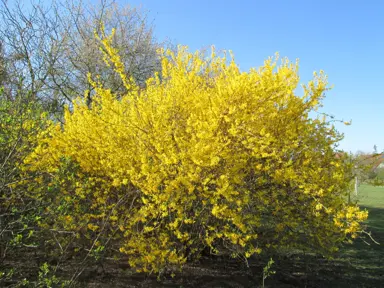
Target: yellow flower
<point>204,154</point>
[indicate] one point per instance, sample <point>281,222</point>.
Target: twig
<point>370,236</point>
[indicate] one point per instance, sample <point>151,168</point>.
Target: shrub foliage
<point>21,120</point>
<point>206,156</point>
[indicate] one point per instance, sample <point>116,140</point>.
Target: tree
<point>49,50</point>
<point>3,74</point>
<point>134,41</point>
<point>365,167</point>
<point>204,156</point>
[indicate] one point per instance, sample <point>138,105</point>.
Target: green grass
<point>372,199</point>
<point>370,196</point>
<point>364,260</point>
<point>360,264</point>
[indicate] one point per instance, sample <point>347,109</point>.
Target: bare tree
<point>50,50</point>
<point>3,72</point>
<point>133,38</point>
<point>28,38</point>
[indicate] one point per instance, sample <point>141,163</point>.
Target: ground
<point>358,265</point>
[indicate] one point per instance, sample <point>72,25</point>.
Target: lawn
<point>363,261</point>
<point>370,196</point>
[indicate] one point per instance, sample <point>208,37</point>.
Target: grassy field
<point>370,196</point>
<point>373,199</point>
<point>363,261</point>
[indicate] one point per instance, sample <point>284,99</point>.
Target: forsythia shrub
<point>204,156</point>
<point>21,120</point>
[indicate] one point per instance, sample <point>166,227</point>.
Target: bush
<point>21,121</point>
<point>206,156</point>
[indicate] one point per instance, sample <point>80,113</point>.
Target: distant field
<point>371,196</point>
<point>364,262</point>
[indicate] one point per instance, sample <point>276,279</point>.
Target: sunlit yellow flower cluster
<point>205,156</point>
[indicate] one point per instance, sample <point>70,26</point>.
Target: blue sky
<point>343,38</point>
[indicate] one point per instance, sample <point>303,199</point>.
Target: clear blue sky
<point>343,38</point>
